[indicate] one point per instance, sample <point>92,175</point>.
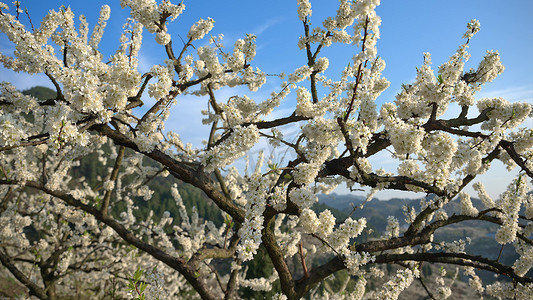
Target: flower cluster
<point>355,260</point>
<point>348,230</point>
<point>393,227</point>
<point>523,264</point>
<point>148,13</point>
<point>510,202</point>
<point>303,197</point>
<point>223,154</point>
<point>466,205</point>
<point>402,280</point>
<point>200,29</point>
<point>304,9</point>
<point>443,291</point>
<point>250,231</point>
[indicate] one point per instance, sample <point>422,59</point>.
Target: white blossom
<point>200,29</point>
<point>304,9</point>
<point>240,141</point>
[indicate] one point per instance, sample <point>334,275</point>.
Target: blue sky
<point>409,28</point>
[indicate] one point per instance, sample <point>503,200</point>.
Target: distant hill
<point>376,212</point>
<point>41,92</point>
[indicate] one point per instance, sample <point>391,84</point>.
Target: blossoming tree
<point>90,236</point>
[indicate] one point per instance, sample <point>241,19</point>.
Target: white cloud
<point>24,81</point>
<point>517,93</point>
<point>145,62</point>
<point>186,120</point>
<point>258,30</point>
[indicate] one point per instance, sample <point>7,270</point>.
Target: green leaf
<point>138,274</point>
<point>142,286</point>
<point>131,285</point>
<point>228,221</point>
<point>440,79</point>
<point>287,176</point>
<point>273,166</point>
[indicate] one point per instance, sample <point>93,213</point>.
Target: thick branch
<point>112,178</point>
<point>278,260</point>
<point>35,290</point>
<point>278,122</point>
<point>509,148</point>
<point>195,177</point>
<point>460,259</point>
<point>208,253</point>
<point>24,144</point>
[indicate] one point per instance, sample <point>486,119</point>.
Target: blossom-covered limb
<point>158,105</point>
<point>459,259</point>
<point>311,60</point>
<point>481,216</point>
<point>400,183</point>
<point>24,144</point>
<point>264,125</point>
<point>348,142</point>
<point>178,264</point>
<point>461,120</point>
<point>302,259</point>
<point>293,146</point>
<point>414,227</point>
<point>317,274</point>
<point>293,118</point>
<point>359,74</point>
<point>136,101</point>
<point>43,138</point>
<point>180,171</point>
<point>60,95</point>
<point>517,158</point>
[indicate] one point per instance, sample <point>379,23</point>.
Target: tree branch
<point>195,177</point>
<point>175,263</point>
<point>112,178</point>
<point>35,290</point>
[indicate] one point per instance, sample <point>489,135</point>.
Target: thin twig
<point>500,254</point>
<point>302,259</point>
